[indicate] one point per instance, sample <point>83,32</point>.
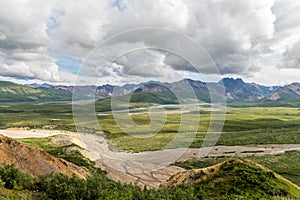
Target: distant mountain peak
<point>286,92</point>
<point>232,80</point>
<point>236,90</point>
<point>188,80</point>
<point>152,87</point>
<point>35,85</point>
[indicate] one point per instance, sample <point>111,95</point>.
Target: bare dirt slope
<point>34,161</point>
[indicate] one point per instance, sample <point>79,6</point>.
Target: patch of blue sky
<point>53,21</point>
<point>120,4</point>
<point>68,63</point>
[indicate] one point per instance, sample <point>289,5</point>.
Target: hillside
<point>232,179</point>
<point>285,93</point>
<point>34,161</point>
<point>15,92</point>
<point>137,99</point>
<point>12,92</point>
<point>236,178</point>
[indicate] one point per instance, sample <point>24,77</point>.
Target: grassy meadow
<point>35,115</point>
<point>243,126</point>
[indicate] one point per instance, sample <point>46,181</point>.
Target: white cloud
<point>291,57</point>
<point>81,23</point>
<point>238,35</point>
<point>31,70</point>
<point>233,33</point>
<point>24,40</point>
<point>287,38</point>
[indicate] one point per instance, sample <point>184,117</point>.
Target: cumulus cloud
<point>32,70</point>
<point>237,35</point>
<point>287,39</point>
<point>232,33</point>
<point>287,24</point>
<point>24,41</point>
<point>144,63</point>
<point>81,23</point>
<point>221,28</point>
<point>291,57</point>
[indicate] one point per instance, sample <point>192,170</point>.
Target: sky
<point>131,41</point>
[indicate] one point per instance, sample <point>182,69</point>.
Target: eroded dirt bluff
<point>34,161</point>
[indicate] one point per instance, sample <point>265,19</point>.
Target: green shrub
<point>2,183</point>
<point>239,181</point>
<point>60,186</point>
<point>14,179</point>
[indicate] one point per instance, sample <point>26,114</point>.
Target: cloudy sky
<point>129,41</point>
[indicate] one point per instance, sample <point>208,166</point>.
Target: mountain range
<point>236,90</point>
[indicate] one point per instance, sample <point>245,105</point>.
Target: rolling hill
<point>137,99</point>
<point>236,179</point>
<point>12,92</point>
